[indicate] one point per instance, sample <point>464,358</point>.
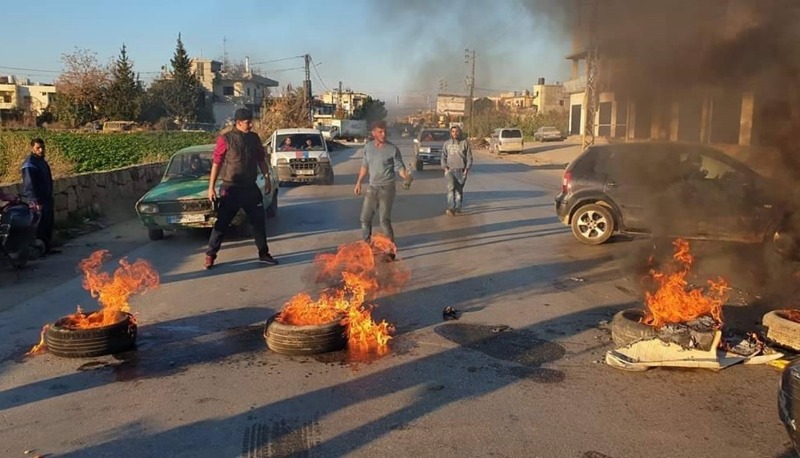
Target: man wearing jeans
<point>456,162</point>
<point>382,161</point>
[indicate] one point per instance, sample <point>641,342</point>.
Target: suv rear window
<point>511,133</point>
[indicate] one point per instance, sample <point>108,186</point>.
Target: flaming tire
<point>87,343</point>
<point>288,339</point>
<point>626,327</point>
<point>782,330</point>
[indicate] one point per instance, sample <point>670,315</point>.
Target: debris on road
<point>449,313</point>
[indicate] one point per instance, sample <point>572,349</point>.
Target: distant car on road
<point>506,140</point>
<point>546,134</point>
<point>180,200</point>
<point>671,190</point>
<point>428,146</point>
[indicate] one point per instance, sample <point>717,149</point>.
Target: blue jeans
<point>377,199</point>
<point>455,179</point>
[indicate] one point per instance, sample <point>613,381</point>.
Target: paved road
<point>202,383</point>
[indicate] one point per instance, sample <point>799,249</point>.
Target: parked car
<point>506,140</point>
<point>301,156</point>
<point>670,190</point>
<point>428,146</point>
<point>180,200</point>
<point>547,134</point>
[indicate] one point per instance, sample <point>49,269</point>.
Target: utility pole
<point>469,56</point>
<point>307,88</point>
<point>339,104</point>
<point>591,95</point>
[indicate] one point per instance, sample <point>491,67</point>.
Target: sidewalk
<point>540,154</point>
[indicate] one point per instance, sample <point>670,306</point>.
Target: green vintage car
<point>180,200</point>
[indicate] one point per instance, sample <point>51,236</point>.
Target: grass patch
<point>73,152</point>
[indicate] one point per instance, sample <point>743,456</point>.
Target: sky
<point>393,50</point>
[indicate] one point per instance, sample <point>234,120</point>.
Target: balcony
<point>576,85</point>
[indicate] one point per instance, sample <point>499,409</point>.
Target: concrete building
<point>550,97</point>
<point>635,102</point>
<point>452,105</point>
<point>20,97</point>
<point>229,91</point>
<point>348,100</point>
<point>517,100</point>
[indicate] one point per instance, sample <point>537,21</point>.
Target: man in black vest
<point>238,157</point>
<point>37,182</point>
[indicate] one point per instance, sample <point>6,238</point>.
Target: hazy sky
<point>384,47</point>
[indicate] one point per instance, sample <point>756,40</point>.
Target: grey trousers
<point>377,199</point>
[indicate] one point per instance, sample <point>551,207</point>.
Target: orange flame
<point>357,277</point>
<point>40,347</point>
<point>674,301</point>
<point>111,291</point>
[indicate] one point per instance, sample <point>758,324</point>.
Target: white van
<point>300,156</point>
<point>506,140</point>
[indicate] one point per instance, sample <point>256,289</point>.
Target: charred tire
<point>304,340</point>
<point>87,343</point>
<point>155,234</point>
<point>592,224</point>
<point>418,166</point>
<point>782,330</point>
<point>626,328</point>
<point>272,210</point>
<point>789,402</point>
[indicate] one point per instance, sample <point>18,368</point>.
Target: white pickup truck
<point>300,156</point>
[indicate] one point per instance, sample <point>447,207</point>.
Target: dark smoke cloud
<point>429,39</point>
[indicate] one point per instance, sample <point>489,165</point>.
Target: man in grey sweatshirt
<point>382,161</point>
<point>456,162</point>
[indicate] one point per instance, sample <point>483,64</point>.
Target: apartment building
<point>230,90</point>
<point>348,100</point>
<point>20,96</point>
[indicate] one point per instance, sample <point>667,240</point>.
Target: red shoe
<point>210,261</point>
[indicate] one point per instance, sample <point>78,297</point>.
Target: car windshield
<point>511,134</point>
<point>296,142</point>
<point>434,135</point>
<point>190,165</point>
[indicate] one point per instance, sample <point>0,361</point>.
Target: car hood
<point>300,154</point>
<point>178,189</point>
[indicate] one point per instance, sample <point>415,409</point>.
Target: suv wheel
<point>419,166</point>
<point>592,224</point>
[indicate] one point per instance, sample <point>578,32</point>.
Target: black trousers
<point>44,231</point>
<point>231,200</point>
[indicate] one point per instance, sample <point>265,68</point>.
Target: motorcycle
<point>18,223</point>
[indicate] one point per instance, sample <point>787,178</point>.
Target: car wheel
<point>327,179</point>
<point>418,166</point>
<point>272,210</point>
<point>592,224</point>
<point>155,234</point>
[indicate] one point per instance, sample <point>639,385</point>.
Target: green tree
<point>371,110</point>
<point>123,100</point>
<point>185,98</point>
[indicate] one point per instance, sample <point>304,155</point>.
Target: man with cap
<point>238,157</point>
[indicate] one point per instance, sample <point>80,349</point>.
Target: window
<point>511,133</point>
<point>227,90</point>
<point>248,91</point>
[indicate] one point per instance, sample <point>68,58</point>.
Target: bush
<point>72,152</point>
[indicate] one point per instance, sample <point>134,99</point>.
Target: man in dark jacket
<point>456,162</point>
<point>238,157</point>
<point>37,182</point>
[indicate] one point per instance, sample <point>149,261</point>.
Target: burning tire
<point>87,343</point>
<point>626,327</point>
<point>288,339</point>
<point>789,402</point>
<point>782,330</point>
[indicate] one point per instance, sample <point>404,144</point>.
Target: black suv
<point>669,190</point>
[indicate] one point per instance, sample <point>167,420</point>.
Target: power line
<point>318,75</point>
<point>276,60</point>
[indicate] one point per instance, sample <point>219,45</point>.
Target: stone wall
<point>109,192</point>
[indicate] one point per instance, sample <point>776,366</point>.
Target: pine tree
<point>124,94</point>
<point>185,97</point>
